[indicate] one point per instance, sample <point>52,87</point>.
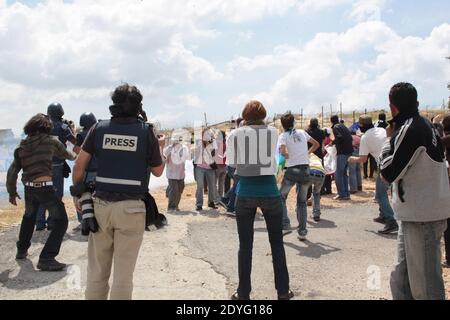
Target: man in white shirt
<point>176,156</point>
<point>372,143</point>
<point>293,146</point>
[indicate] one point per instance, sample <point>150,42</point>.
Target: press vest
<point>121,151</point>
<point>92,166</point>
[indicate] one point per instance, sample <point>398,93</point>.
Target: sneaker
<point>316,219</point>
<point>222,204</point>
<point>198,208</point>
<point>21,255</point>
<point>379,220</point>
<point>287,296</point>
<point>389,228</point>
<point>302,238</point>
<point>51,266</point>
<point>212,205</point>
<point>339,198</point>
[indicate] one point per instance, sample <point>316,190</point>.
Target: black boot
<point>390,227</point>
<point>51,265</point>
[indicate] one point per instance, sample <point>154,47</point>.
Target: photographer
<point>63,130</point>
<point>126,150</point>
<point>176,155</point>
<point>87,121</point>
<point>205,151</point>
<point>34,158</point>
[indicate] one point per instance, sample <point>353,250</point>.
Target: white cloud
<point>326,69</point>
<point>364,10</point>
<point>308,6</point>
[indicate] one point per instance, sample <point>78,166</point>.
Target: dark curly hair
<point>40,123</point>
<point>288,121</point>
<point>127,101</point>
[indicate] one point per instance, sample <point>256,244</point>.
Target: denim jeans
<point>210,175</point>
<point>317,182</point>
<point>447,242</point>
<point>295,176</point>
<point>354,175</point>
<point>381,194</point>
<point>342,176</point>
<point>47,198</point>
<point>58,184</point>
<point>174,192</point>
<point>221,174</point>
<point>245,218</point>
<point>418,271</point>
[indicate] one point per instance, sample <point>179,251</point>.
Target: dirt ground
<point>190,266</point>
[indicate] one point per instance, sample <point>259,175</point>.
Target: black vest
<point>60,130</point>
<point>121,151</point>
<point>92,166</point>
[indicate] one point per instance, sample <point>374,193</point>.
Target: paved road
<point>196,258</point>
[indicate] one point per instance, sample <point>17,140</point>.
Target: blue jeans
<point>317,182</point>
<point>418,271</point>
<point>245,218</point>
<point>58,185</point>
<point>354,173</point>
<point>342,176</point>
<point>381,194</point>
<point>210,175</point>
<point>298,176</point>
<point>230,196</point>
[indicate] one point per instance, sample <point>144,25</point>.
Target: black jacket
<point>342,140</point>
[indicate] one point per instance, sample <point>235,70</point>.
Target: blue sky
<point>192,57</point>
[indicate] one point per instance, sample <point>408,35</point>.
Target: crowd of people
<point>252,166</point>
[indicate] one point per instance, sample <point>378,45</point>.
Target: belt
<point>38,184</point>
<point>319,175</point>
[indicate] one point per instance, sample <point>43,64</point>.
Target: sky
<point>190,57</point>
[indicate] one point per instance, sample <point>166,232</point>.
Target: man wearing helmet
<point>87,121</point>
<point>64,132</point>
<point>127,150</point>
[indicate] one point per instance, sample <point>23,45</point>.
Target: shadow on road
<point>312,250</point>
<point>392,236</point>
<point>323,224</point>
<point>29,278</point>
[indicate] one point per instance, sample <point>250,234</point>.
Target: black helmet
<point>87,120</point>
<point>55,110</point>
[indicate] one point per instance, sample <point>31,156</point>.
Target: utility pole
<point>322,116</point>
<point>206,121</point>
<point>342,115</point>
<point>301,119</point>
<point>331,109</point>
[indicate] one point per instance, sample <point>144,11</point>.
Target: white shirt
<point>177,156</point>
<point>372,143</point>
<point>297,147</point>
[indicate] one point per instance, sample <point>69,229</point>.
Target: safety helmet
<point>55,110</point>
<point>87,120</point>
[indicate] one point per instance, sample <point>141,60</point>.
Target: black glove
<point>89,225</point>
